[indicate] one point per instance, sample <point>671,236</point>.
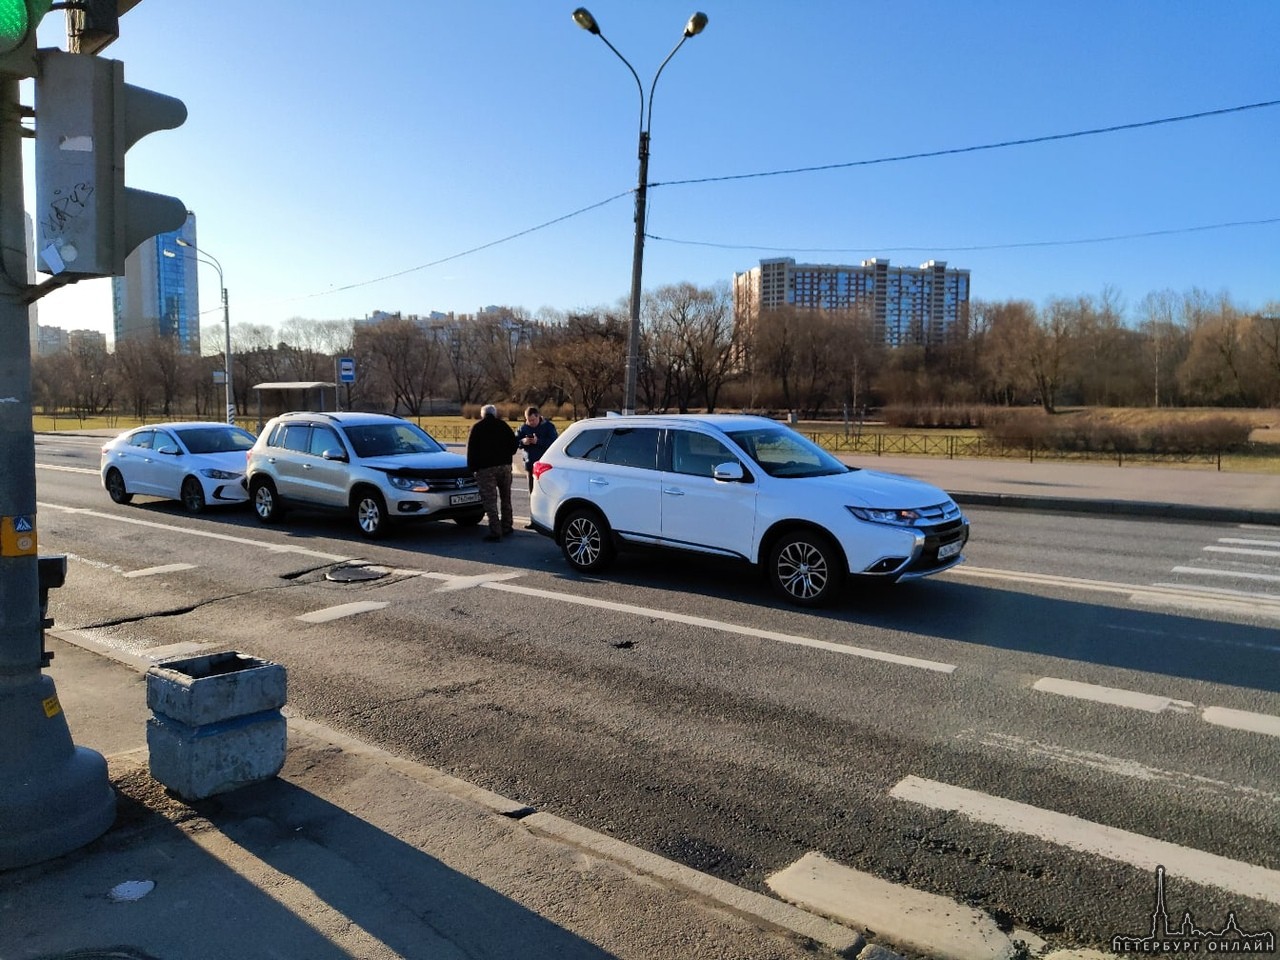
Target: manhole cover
<point>356,572</point>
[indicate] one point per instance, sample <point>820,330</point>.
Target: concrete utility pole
<point>54,796</point>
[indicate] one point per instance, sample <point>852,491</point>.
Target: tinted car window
<point>216,439</point>
<point>630,447</point>
<point>588,445</point>
<point>297,437</point>
<point>322,439</point>
<point>390,439</point>
<point>697,454</point>
<point>143,438</point>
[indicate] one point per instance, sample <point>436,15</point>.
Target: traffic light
<point>87,220</point>
<point>18,22</point>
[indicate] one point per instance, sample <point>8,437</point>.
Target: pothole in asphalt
<point>355,573</point>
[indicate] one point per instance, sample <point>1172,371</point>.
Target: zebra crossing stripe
<point>1146,853</point>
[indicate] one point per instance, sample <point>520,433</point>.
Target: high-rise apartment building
<point>159,295</point>
<point>907,305</point>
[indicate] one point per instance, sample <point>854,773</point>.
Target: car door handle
<point>306,466</point>
<point>673,491</point>
<point>599,481</point>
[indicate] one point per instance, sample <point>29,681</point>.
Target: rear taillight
<point>540,468</point>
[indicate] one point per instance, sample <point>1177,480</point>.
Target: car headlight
<point>902,518</point>
<point>410,484</point>
<point>219,474</point>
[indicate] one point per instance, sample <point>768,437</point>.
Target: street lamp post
<point>583,18</point>
<point>226,323</point>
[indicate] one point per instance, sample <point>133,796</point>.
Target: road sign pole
<point>56,796</point>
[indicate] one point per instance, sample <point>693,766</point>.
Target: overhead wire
<point>953,151</point>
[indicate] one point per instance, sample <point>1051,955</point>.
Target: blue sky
<point>330,144</point>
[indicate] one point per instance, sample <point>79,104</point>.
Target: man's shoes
<point>529,526</point>
<point>491,538</point>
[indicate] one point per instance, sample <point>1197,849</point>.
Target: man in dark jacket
<point>534,436</point>
<point>490,447</point>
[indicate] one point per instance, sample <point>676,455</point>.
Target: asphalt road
<point>1125,673</point>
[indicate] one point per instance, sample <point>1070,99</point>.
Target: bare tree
<point>408,356</point>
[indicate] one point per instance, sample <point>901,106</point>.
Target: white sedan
<point>199,463</point>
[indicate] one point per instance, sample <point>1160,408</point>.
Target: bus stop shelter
<point>286,395</point>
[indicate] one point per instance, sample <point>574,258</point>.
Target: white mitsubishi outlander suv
<point>739,486</point>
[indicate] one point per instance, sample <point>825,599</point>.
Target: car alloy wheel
<point>193,495</point>
<point>586,542</point>
<point>116,488</point>
<point>265,502</point>
<point>371,514</point>
<point>805,569</point>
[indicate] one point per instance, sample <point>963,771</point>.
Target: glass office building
<point>159,296</point>
<point>908,305</point>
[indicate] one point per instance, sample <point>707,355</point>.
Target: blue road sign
<point>346,369</point>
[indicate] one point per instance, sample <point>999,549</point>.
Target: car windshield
<point>390,439</point>
<point>784,453</point>
<point>215,439</point>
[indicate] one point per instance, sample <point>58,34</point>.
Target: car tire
<point>805,568</point>
<point>116,488</point>
<point>586,541</point>
<point>266,502</point>
<point>470,520</point>
<point>193,495</point>
<point>370,512</point>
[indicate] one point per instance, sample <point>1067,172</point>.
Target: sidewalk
<point>354,853</point>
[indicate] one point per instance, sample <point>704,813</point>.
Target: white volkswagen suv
<point>739,486</point>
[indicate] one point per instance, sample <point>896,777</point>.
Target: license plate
<point>950,549</point>
<point>458,498</point>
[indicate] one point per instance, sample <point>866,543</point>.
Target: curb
<point>1121,508</point>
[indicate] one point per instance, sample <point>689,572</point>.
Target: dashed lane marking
<point>1085,836</point>
<point>723,627</point>
<point>340,611</point>
<point>156,571</point>
<point>1112,695</point>
<point>1219,716</point>
<point>1239,574</point>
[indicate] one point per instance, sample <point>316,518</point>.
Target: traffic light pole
<point>54,796</point>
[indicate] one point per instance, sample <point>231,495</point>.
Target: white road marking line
<point>1166,594</point>
<point>1240,541</point>
<point>1206,604</point>
<point>342,610</point>
<point>62,469</point>
<point>1117,766</point>
<point>1206,572</point>
<point>1151,703</point>
<point>1110,695</point>
<point>155,571</point>
<point>208,534</point>
<point>1241,551</point>
<point>724,627</point>
<point>1242,720</point>
<point>1222,592</point>
<point>479,580</point>
<point>1147,853</point>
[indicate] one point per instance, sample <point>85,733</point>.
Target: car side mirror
<point>335,454</point>
<point>730,472</point>
<point>169,450</point>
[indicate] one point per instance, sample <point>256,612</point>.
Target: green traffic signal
<point>18,19</point>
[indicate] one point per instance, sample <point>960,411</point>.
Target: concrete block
<point>215,687</point>
<point>200,761</point>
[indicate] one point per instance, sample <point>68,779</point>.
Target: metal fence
<point>953,446</point>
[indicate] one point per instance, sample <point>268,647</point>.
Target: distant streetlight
<point>226,319</point>
<point>583,18</point>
